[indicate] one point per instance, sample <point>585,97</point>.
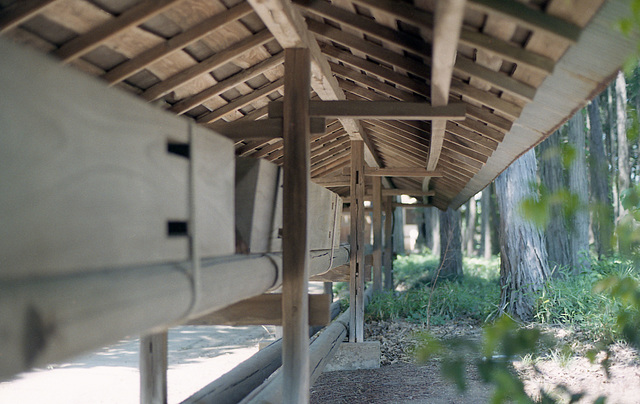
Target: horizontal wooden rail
<point>48,319</point>
<point>377,110</point>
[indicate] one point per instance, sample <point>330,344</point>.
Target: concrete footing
<point>355,356</point>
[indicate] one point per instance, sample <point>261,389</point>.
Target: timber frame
<point>369,99</point>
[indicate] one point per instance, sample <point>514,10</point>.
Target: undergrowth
<point>474,296</point>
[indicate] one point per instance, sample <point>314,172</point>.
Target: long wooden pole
<point>388,243</point>
<point>295,247</point>
<point>153,368</point>
<point>377,234</point>
<point>356,262</point>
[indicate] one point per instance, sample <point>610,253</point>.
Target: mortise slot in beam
<point>378,110</point>
<point>265,310</point>
<point>177,228</point>
<point>179,149</point>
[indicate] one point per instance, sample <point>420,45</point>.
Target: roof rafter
<point>21,11</point>
<point>288,27</point>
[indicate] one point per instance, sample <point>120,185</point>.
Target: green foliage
<point>628,228</point>
<point>537,208</point>
<point>473,297</point>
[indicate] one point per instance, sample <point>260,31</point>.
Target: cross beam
<point>378,110</point>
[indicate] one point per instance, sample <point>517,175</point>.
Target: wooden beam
<point>410,192</point>
<point>211,63</point>
<point>341,273</point>
<point>334,181</point>
<point>264,310</point>
<point>244,75</point>
<point>290,30</point>
<point>529,18</point>
<point>153,368</point>
<point>401,172</point>
<point>377,234</point>
<point>356,260</point>
<point>241,102</point>
<point>176,43</point>
<point>261,129</point>
<point>378,110</point>
<point>295,300</point>
<point>136,15</point>
<point>388,243</point>
<point>21,11</point>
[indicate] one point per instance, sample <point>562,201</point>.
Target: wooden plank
<point>262,129</point>
<point>410,192</point>
<point>377,235</point>
<point>84,44</point>
<point>211,63</point>
<point>401,172</point>
<point>104,196</point>
<point>227,84</point>
<point>356,260</point>
<point>288,27</point>
<point>377,110</point>
<point>388,243</point>
<point>334,181</point>
<point>265,310</point>
<point>295,248</point>
<point>176,43</point>
<point>153,368</point>
<point>241,102</point>
<point>529,18</point>
<point>21,11</point>
<point>340,273</point>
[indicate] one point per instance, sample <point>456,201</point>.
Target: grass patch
<point>475,296</point>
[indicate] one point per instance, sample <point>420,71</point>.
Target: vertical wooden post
<point>153,369</point>
<point>295,246</point>
<point>377,234</point>
<point>356,260</point>
<point>388,243</point>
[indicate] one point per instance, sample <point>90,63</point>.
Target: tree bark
<point>624,169</point>
<point>602,221</point>
<point>485,227</point>
<point>552,176</point>
<point>427,224</point>
<point>523,254</point>
<point>450,245</point>
<point>471,228</point>
<point>398,231</point>
<point>435,230</point>
<point>579,187</point>
<point>494,221</point>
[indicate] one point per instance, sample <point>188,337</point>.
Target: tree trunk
<point>523,254</point>
<point>435,230</point>
<point>624,170</point>
<point>485,227</point>
<point>494,221</point>
<point>398,231</point>
<point>427,224</point>
<point>471,228</point>
<point>450,245</point>
<point>612,145</point>
<point>579,187</point>
<point>552,176</point>
<point>602,222</point>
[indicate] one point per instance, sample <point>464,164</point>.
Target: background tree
<point>552,178</point>
<point>624,169</point>
<point>450,244</point>
<point>485,227</point>
<point>523,255</point>
<point>579,190</point>
<point>470,228</point>
<point>602,218</point>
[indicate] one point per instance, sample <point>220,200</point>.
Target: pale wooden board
<point>86,180</point>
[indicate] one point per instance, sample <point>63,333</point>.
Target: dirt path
<point>197,355</point>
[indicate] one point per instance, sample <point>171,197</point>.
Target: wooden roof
<point>520,68</point>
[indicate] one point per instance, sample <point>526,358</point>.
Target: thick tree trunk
<point>523,254</point>
<point>494,221</point>
<point>427,224</point>
<point>470,231</point>
<point>485,226</point>
<point>552,176</point>
<point>624,170</point>
<point>602,221</point>
<point>450,245</point>
<point>579,186</point>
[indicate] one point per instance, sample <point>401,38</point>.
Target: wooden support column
<point>356,261</point>
<point>388,243</point>
<point>295,246</point>
<point>377,234</point>
<point>153,369</point>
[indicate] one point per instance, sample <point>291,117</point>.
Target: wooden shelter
<point>121,218</point>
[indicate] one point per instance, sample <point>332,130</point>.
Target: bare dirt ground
<point>401,380</point>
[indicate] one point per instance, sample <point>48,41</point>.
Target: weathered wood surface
<point>295,222</point>
<point>377,235</point>
<point>86,178</point>
<point>153,368</point>
<point>357,243</point>
<point>264,310</point>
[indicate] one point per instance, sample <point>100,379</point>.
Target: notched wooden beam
<point>261,129</point>
<point>264,310</point>
<point>378,110</point>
